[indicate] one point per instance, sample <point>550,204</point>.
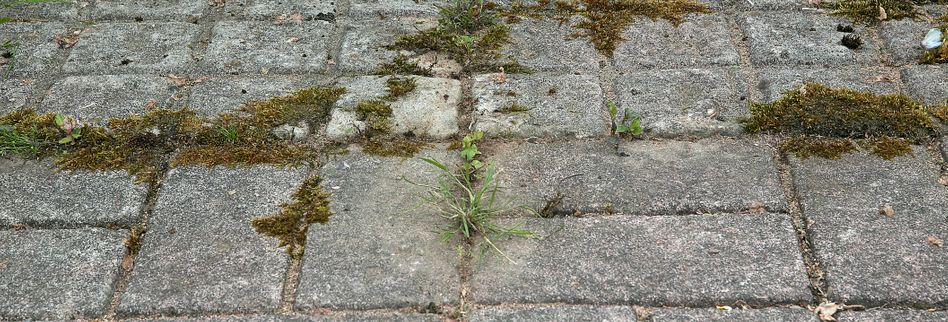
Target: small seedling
<point>229,132</point>
<point>13,141</point>
<point>71,126</point>
<point>630,124</point>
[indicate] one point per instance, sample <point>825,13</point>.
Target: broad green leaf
<point>60,120</point>
<point>613,110</point>
<point>65,140</point>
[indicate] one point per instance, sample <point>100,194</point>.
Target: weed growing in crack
<point>630,124</point>
<point>310,205</point>
<point>470,198</point>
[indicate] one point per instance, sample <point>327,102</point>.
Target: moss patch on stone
<point>513,108</point>
<point>396,87</point>
<point>402,65</point>
<point>310,205</point>
<point>825,121</point>
<point>874,11</point>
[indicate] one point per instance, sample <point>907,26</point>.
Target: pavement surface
<point>695,222</point>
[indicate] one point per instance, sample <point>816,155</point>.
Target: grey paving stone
<point>787,314</point>
<point>431,110</point>
<point>559,106</point>
<point>685,102</point>
<point>892,315</point>
<point>64,10</point>
<point>559,313</point>
<point>58,274</point>
<point>693,260</point>
<point>130,48</point>
<point>927,83</point>
<point>362,44</point>
<point>15,94</point>
<point>870,258</point>
<point>544,46</point>
<point>745,5</point>
<point>395,8</point>
<point>46,197</point>
<point>264,47</point>
<point>96,98</point>
<point>656,178</point>
<point>803,38</point>
<point>903,39</point>
<point>378,241</point>
<point>36,52</point>
<point>775,82</point>
<point>702,40</point>
<point>218,95</point>
<point>200,254</point>
<point>270,9</point>
<point>338,317</point>
<point>168,10</point>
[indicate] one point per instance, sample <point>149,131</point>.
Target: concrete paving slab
<point>558,313</point>
<point>927,83</point>
<point>224,94</point>
<point>64,11</point>
<point>139,10</point>
<point>902,40</point>
<point>545,46</point>
<point>35,52</point>
<point>337,317</point>
<point>778,314</point>
<point>803,39</point>
<point>362,45</point>
<point>15,94</point>
<point>701,41</point>
<point>774,82</point>
<point>264,47</point>
<point>308,9</point>
<point>892,315</point>
<point>129,48</point>
<point>96,98</point>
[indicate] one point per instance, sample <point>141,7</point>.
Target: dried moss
<point>310,205</point>
<point>888,148</point>
<point>133,242</point>
<point>874,11</point>
<point>822,119</point>
<point>397,87</point>
<point>392,147</point>
<point>938,55</point>
<point>377,117</point>
<point>513,108</point>
<point>402,65</point>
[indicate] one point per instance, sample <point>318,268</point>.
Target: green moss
<point>513,108</point>
<point>871,11</point>
<point>938,55</point>
<point>281,153</point>
<point>134,240</point>
<point>392,147</point>
<point>310,205</point>
<point>397,87</point>
<point>888,148</point>
<point>377,117</point>
<point>940,111</point>
<point>401,65</point>
<point>822,119</point>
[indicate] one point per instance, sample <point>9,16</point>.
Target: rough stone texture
<point>264,47</point>
<point>96,98</point>
<point>46,197</point>
<point>559,106</point>
<point>803,38</point>
<point>338,317</point>
<point>401,263</point>
<point>775,82</point>
<point>757,4</point>
<point>892,315</point>
<point>15,94</point>
<point>902,39</point>
<point>173,10</point>
<point>927,83</point>
<point>781,314</point>
<point>568,313</point>
<point>702,40</point>
<point>36,53</point>
<point>364,38</point>
<point>130,48</point>
<point>58,274</point>
<point>64,10</point>
<point>655,178</point>
<point>695,102</point>
<point>694,260</point>
<point>200,254</point>
<point>391,8</point>
<point>431,110</point>
<point>309,9</point>
<point>218,95</point>
<point>544,46</point>
<point>870,258</point>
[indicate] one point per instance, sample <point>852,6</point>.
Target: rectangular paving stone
<point>777,314</point>
<point>130,48</point>
<point>870,258</point>
<point>902,40</point>
<point>58,274</point>
<point>685,102</point>
<point>264,47</point>
<point>746,5</point>
<point>362,45</point>
<point>694,260</point>
<point>700,41</point>
<point>15,94</point>
<point>270,9</point>
<point>430,110</point>
<point>381,248</point>
<point>545,46</point>
<point>774,82</point>
<point>393,9</point>
<point>558,106</point>
<point>223,94</point>
<point>63,10</point>
<point>35,53</point>
<point>556,313</point>
<point>892,315</point>
<point>41,196</point>
<point>96,98</point>
<point>336,317</point>
<point>803,38</point>
<point>168,10</point>
<point>651,178</point>
<point>200,254</point>
<point>927,83</point>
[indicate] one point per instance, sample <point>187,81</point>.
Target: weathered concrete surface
<point>545,46</point>
<point>96,98</point>
<point>927,83</point>
<point>64,10</point>
<point>34,52</point>
<point>58,274</point>
<point>892,315</point>
<point>363,44</point>
<point>803,38</point>
<point>567,313</point>
<point>559,106</point>
<point>870,258</point>
<point>745,5</point>
<point>39,195</point>
<point>224,94</point>
<point>654,178</point>
<point>775,81</point>
<point>294,47</point>
<point>701,41</point>
<point>173,10</point>
<point>15,94</point>
<point>200,254</point>
<point>305,9</point>
<point>430,110</point>
<point>395,8</point>
<point>379,241</point>
<point>689,102</point>
<point>694,260</point>
<point>781,314</point>
<point>130,48</point>
<point>336,317</point>
<point>902,39</point>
